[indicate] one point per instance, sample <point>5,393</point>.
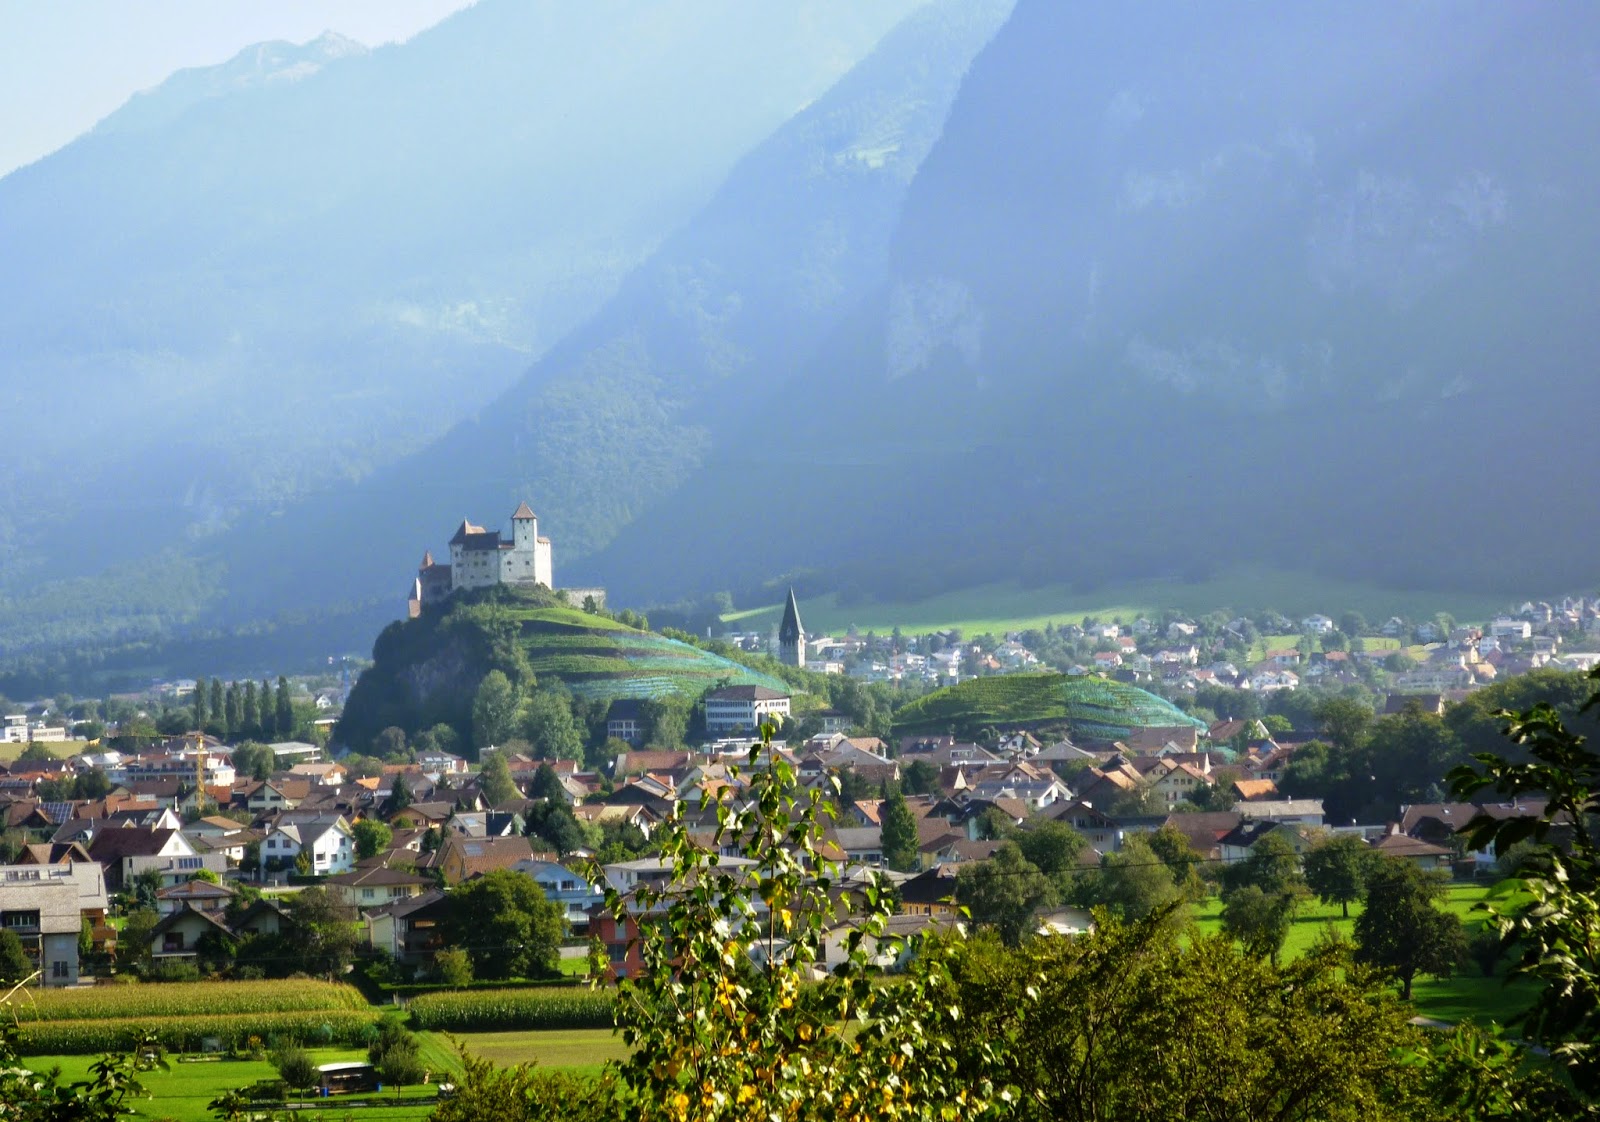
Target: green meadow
<point>998,608</point>
<point>1467,995</point>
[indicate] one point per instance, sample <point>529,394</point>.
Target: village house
<point>376,885</point>
<point>326,838</point>
<point>45,906</point>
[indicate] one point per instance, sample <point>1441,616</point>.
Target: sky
<point>65,64</point>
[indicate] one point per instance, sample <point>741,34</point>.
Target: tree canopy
<point>505,923</point>
<point>1402,928</point>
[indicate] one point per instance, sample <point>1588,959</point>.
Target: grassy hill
<point>1092,708</point>
<point>426,671</point>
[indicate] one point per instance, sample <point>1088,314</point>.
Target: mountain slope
<point>621,412</point>
<point>279,273</point>
<point>1301,287</point>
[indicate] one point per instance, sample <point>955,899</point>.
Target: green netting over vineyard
<point>1104,710</point>
<point>630,664</point>
<point>1094,708</point>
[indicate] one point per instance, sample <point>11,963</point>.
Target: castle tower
<point>791,636</point>
<point>529,559</point>
<point>524,529</point>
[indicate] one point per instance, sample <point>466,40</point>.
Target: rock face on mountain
<point>276,274</point>
<point>1303,287</point>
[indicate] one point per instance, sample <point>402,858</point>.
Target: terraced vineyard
<point>600,658</point>
<point>1092,708</point>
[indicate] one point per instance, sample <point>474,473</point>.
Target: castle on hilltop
<point>480,558</point>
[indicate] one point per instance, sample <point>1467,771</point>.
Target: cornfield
<point>182,999</point>
<point>504,1010</point>
<point>188,1034</point>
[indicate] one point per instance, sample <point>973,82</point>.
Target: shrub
<point>1486,950</point>
<point>294,1066</point>
<point>453,966</point>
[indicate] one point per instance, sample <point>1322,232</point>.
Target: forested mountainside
<point>623,411</point>
<point>1170,295</point>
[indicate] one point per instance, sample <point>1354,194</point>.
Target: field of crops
<point>182,999</point>
<point>188,1034</point>
<point>509,1010</point>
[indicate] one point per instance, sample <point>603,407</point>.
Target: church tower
<point>791,636</point>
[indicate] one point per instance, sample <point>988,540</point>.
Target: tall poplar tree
<point>219,715</point>
<point>285,709</point>
<point>267,711</point>
<point>233,720</point>
<point>250,710</point>
<point>200,700</point>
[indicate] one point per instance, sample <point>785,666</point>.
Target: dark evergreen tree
<point>899,833</point>
<point>201,709</point>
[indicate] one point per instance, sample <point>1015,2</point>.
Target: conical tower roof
<point>790,631</point>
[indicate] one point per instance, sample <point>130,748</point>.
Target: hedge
<point>503,1010</point>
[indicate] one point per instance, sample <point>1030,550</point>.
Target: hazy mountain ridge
<point>259,65</point>
<point>268,286</point>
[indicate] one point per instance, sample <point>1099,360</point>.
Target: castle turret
<point>791,636</point>
<point>524,528</point>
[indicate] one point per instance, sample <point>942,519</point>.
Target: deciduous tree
<point>1004,892</point>
<point>495,781</point>
<point>1402,928</point>
<point>1260,922</point>
<point>503,920</point>
<point>1336,870</point>
<point>371,836</point>
<point>494,710</point>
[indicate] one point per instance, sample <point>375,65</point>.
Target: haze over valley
<point>892,300</point>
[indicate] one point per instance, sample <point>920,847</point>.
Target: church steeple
<point>791,636</point>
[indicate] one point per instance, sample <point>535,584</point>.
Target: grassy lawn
<point>581,1050</point>
<point>1467,995</point>
<point>1008,607</point>
<point>60,749</point>
<point>183,1092</point>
